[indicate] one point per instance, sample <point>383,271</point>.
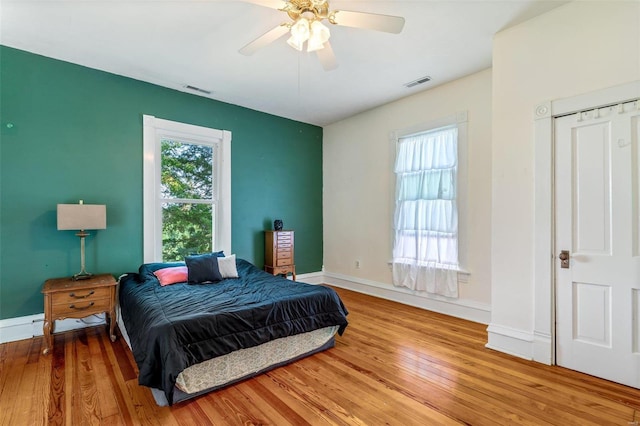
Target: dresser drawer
<point>82,308</point>
<point>284,252</point>
<point>283,262</point>
<point>286,269</point>
<point>284,237</point>
<point>89,294</point>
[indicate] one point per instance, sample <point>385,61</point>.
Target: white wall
<point>358,190</point>
<point>577,48</point>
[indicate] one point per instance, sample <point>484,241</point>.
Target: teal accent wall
<point>69,132</point>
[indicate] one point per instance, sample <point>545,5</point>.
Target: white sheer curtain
<point>425,249</point>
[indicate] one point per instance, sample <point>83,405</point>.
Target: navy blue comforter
<point>176,326</point>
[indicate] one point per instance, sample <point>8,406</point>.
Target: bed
<point>189,339</point>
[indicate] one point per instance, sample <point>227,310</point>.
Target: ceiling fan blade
<point>327,57</point>
<point>273,4</point>
<point>371,21</point>
<point>266,38</point>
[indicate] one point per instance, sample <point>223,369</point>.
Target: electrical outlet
<point>357,264</point>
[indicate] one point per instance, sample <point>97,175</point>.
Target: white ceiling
<point>195,42</point>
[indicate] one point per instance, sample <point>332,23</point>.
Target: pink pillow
<point>175,274</point>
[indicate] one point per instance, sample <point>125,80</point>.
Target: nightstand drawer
<point>73,296</point>
<point>82,308</point>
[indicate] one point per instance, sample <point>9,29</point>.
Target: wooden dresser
<point>278,253</point>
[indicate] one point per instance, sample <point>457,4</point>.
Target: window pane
<point>186,170</point>
<point>186,229</point>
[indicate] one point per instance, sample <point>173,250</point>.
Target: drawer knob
<point>73,306</point>
<point>82,297</point>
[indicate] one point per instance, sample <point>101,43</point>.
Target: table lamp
<point>82,217</point>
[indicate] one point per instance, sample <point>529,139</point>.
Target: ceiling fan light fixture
<point>319,36</point>
<point>314,44</point>
<point>295,43</point>
<point>299,33</point>
<point>306,26</point>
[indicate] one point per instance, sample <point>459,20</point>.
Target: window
<point>426,217</point>
<point>425,247</point>
<point>187,190</point>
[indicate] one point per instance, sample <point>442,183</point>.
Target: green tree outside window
<point>188,191</point>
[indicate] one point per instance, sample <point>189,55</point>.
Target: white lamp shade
<point>295,43</point>
<point>300,30</point>
<point>82,216</point>
<point>299,33</point>
<point>319,36</point>
<point>314,43</point>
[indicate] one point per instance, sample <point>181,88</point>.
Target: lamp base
<point>83,275</point>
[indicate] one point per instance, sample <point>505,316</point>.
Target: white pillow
<point>227,266</point>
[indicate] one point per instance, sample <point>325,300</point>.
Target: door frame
<point>544,333</point>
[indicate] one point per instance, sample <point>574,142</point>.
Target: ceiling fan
<point>306,26</point>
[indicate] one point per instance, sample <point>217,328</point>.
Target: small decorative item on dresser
<point>69,298</point>
<point>278,253</point>
<point>277,225</point>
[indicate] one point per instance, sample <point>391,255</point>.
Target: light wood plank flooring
<point>395,365</point>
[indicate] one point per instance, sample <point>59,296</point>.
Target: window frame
<point>460,120</point>
<point>155,130</point>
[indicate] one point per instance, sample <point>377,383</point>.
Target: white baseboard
<point>29,326</point>
<point>511,341</point>
<point>543,348</point>
<point>12,329</point>
<point>310,278</point>
<point>460,308</point>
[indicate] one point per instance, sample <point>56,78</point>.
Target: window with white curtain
<point>425,248</point>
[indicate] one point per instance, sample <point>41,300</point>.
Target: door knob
<point>564,259</point>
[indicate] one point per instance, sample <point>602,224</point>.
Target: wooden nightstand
<point>278,253</point>
<point>65,298</point>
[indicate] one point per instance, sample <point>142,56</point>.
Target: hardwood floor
<point>394,365</point>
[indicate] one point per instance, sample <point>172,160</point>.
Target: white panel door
<point>598,223</point>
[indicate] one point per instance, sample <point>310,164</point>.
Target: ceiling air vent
<point>418,81</point>
<point>197,89</point>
